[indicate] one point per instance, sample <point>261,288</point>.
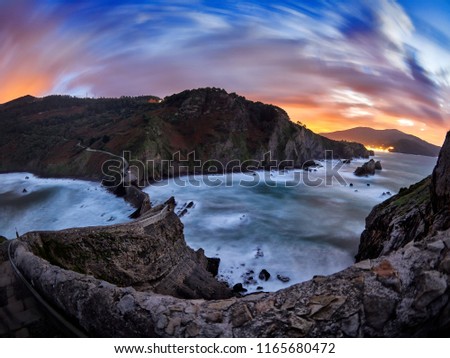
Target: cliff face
<point>413,214</point>
<point>50,136</point>
<point>390,225</point>
<point>402,294</point>
<point>440,186</point>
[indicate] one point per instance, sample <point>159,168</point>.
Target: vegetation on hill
<point>49,135</point>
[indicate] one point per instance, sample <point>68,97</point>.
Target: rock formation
<point>56,131</point>
<point>149,254</point>
<point>412,214</point>
<point>368,168</point>
<point>398,288</point>
<point>403,294</point>
<point>440,186</point>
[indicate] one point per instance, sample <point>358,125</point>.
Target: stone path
<point>20,313</point>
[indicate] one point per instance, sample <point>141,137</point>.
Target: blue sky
<point>330,64</point>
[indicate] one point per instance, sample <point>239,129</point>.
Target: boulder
<point>283,278</point>
<point>239,288</point>
<point>367,168</point>
<point>264,275</point>
<point>309,164</point>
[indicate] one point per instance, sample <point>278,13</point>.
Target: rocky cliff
<point>149,254</point>
<point>413,214</point>
<point>440,187</point>
<point>66,136</point>
<point>398,288</point>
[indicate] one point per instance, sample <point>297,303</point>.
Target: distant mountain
<point>51,135</point>
<point>401,142</point>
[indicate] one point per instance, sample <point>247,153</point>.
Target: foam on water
<point>298,231</point>
<point>54,204</point>
<point>293,231</point>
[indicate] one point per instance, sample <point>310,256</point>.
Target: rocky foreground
<point>398,288</point>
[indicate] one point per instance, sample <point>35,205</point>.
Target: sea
<point>294,224</point>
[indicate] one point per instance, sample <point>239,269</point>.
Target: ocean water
<point>292,228</point>
<point>54,204</point>
<point>289,228</point>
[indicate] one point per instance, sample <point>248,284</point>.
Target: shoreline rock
<point>368,168</point>
<point>149,254</point>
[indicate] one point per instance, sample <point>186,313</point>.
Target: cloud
<point>405,122</point>
<point>357,58</point>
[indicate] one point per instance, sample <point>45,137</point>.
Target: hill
<point>401,142</point>
<point>50,136</point>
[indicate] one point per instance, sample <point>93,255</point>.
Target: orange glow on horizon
<point>322,120</point>
<point>379,149</point>
<point>23,85</point>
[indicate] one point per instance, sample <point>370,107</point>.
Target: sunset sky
<point>331,64</point>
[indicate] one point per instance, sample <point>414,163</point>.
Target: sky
<point>331,65</point>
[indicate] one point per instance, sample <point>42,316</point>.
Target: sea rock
<point>239,288</point>
<point>378,165</point>
<point>366,169</point>
<point>259,253</point>
<point>264,275</point>
<point>24,190</point>
<point>283,278</point>
<point>309,164</point>
<point>248,277</point>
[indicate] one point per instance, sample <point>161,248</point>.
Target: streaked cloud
<point>330,64</point>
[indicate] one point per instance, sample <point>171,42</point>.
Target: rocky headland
<point>399,286</point>
<point>62,136</point>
